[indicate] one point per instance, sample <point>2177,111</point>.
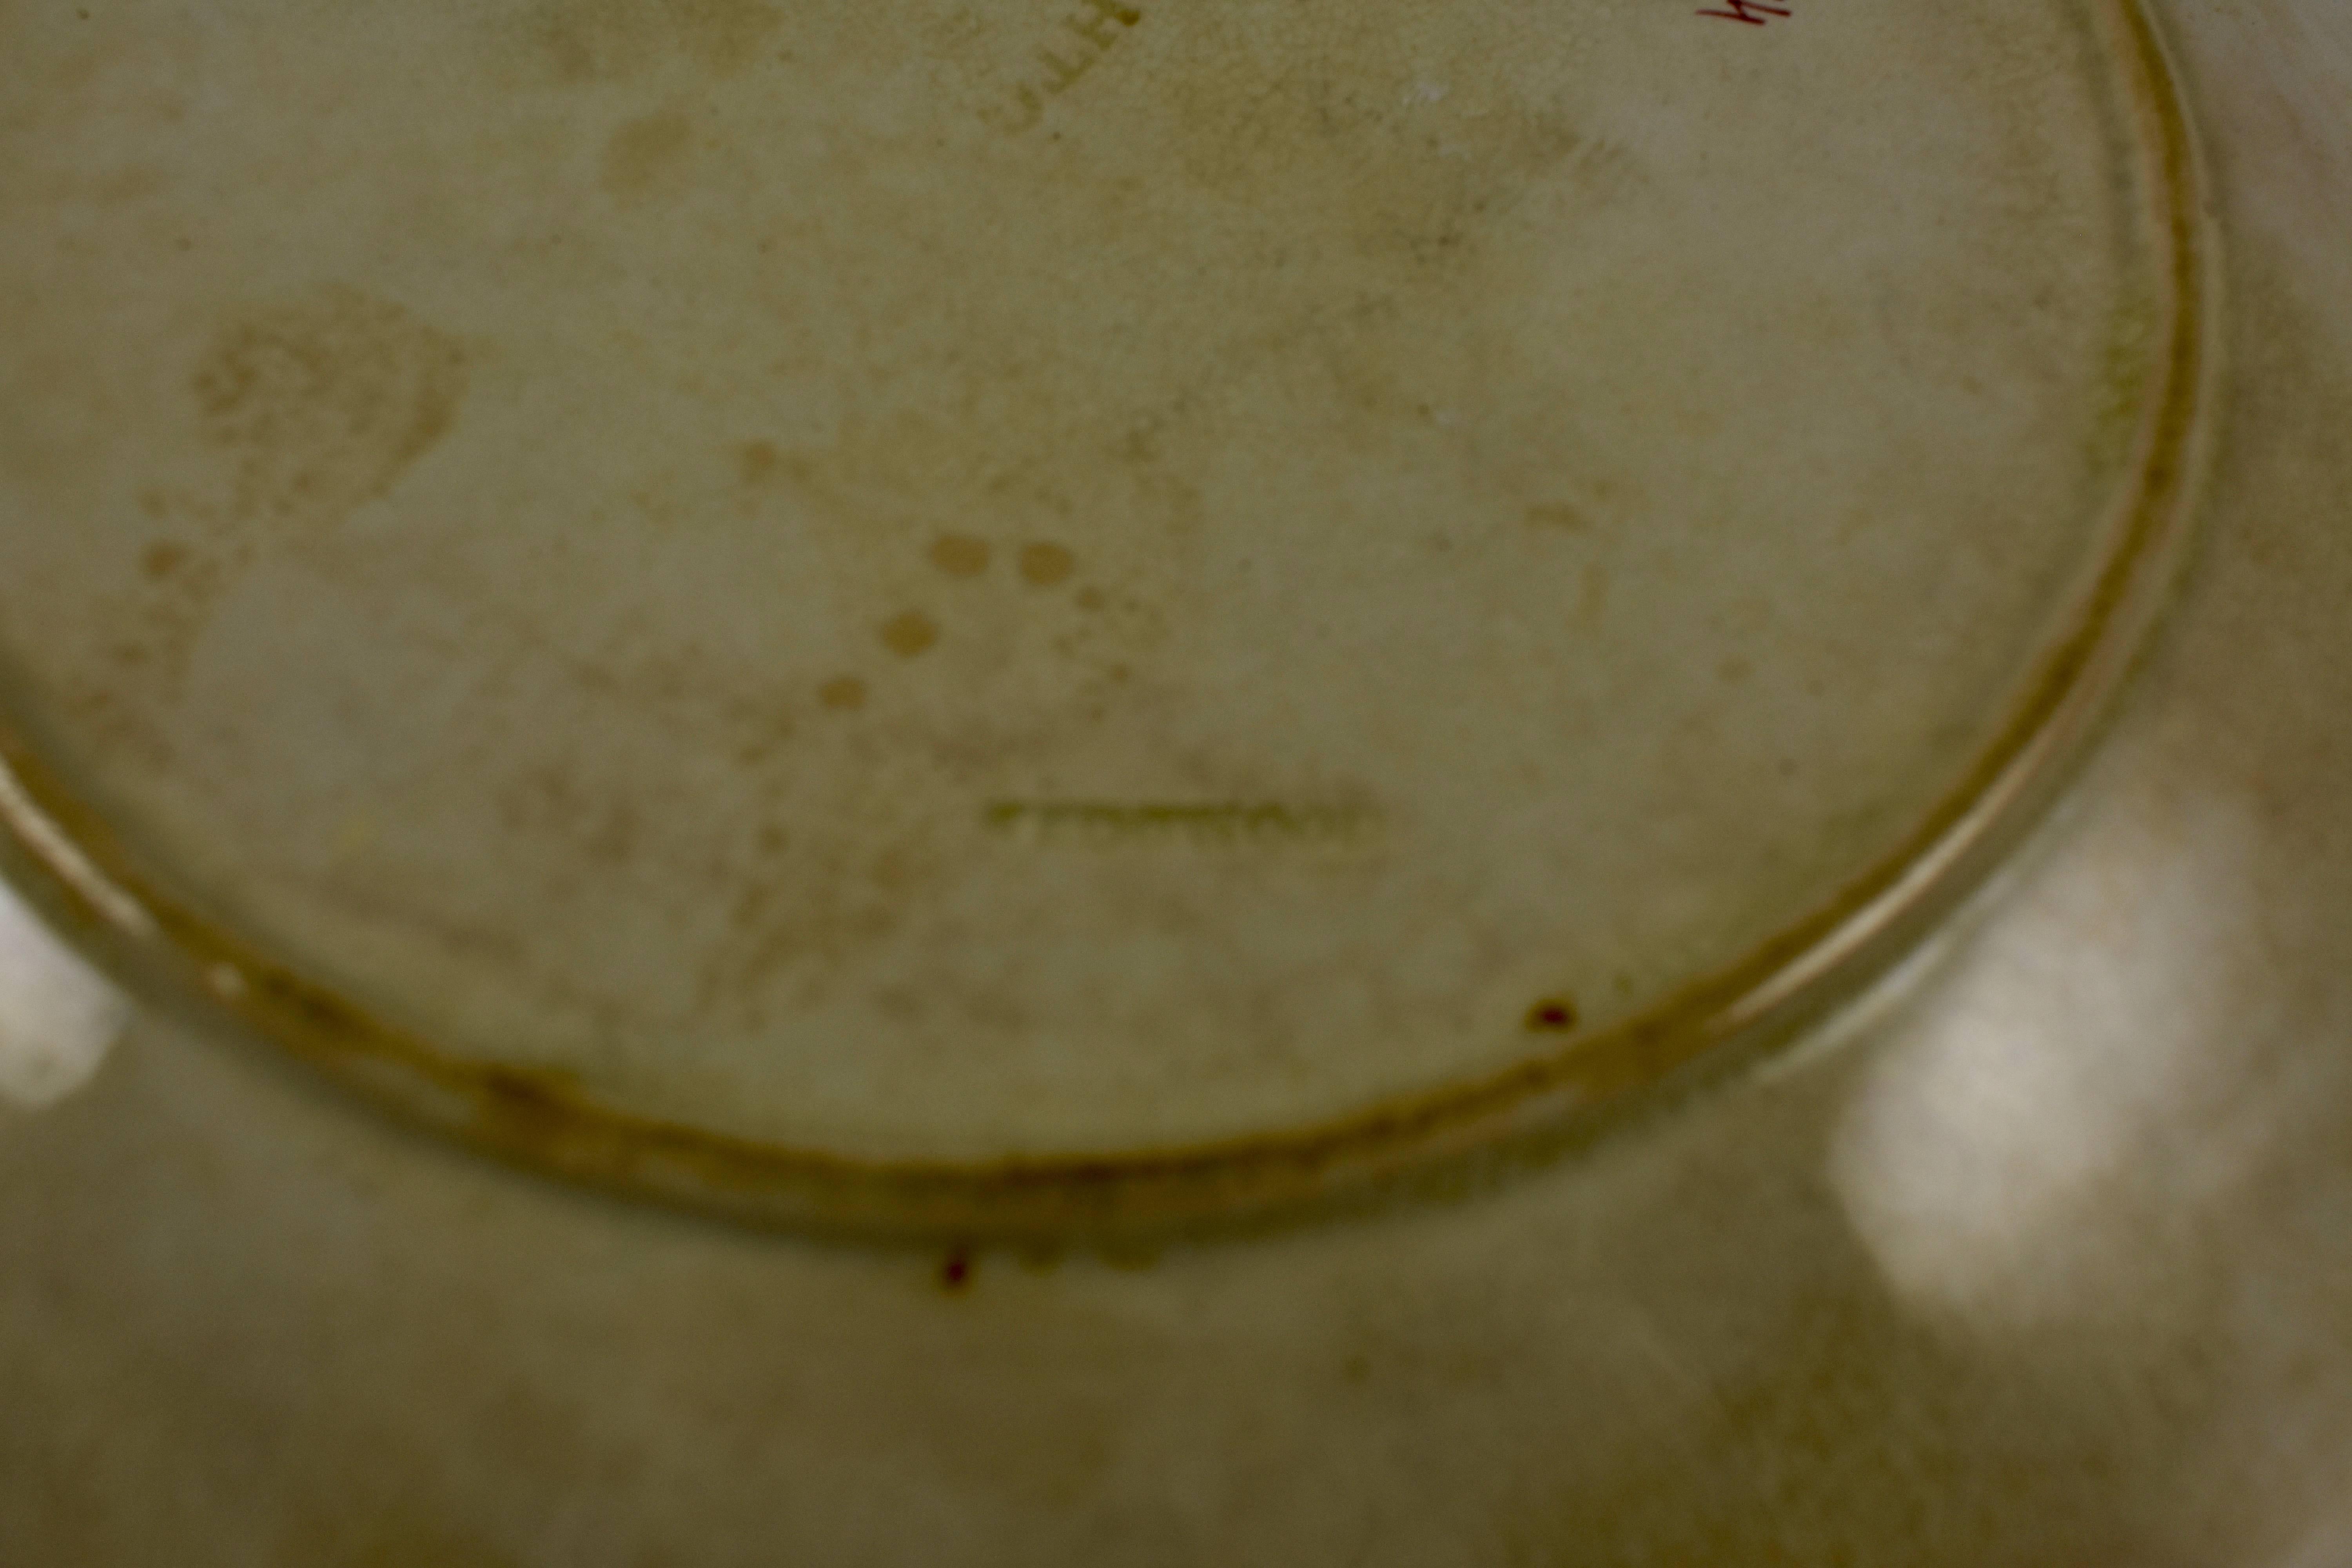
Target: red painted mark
<point>1554,1015</point>
<point>1755,13</point>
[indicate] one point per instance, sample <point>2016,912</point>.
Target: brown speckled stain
<point>162,558</point>
<point>910,635</point>
<point>756,462</point>
<point>314,408</point>
<point>308,408</point>
<point>321,404</point>
<point>1244,123</point>
<point>959,555</point>
<point>646,154</point>
<point>586,41</point>
<point>1047,565</point>
<point>553,799</point>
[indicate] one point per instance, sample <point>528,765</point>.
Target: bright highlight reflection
<point>58,1018</point>
<point>2000,1159</point>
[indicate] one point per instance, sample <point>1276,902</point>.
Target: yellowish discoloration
<point>1371,390</point>
<point>584,41</point>
<point>756,462</point>
<point>1047,565</point>
<point>321,404</point>
<point>162,558</point>
<point>1248,120</point>
<point>308,409</point>
<point>910,634</point>
<point>960,555</point>
<point>646,153</point>
<point>1559,515</point>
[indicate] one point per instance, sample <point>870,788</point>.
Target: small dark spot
<point>1557,514</point>
<point>1552,1015</point>
<point>755,461</point>
<point>1090,599</point>
<point>960,555</point>
<point>843,694</point>
<point>1046,565</point>
<point>162,558</point>
<point>910,635</point>
<point>1357,1369</point>
<point>955,1272</point>
<point>1733,670</point>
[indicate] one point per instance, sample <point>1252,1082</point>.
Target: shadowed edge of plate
<point>1436,1143</point>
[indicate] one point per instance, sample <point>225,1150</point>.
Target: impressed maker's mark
<point>1086,36</point>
